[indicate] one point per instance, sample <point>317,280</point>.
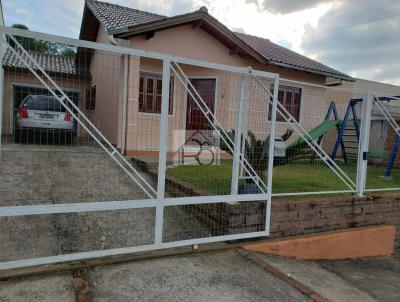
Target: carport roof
<point>50,62</point>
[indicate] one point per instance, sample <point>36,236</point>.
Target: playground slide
<point>316,132</point>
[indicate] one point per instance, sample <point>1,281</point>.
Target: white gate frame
<point>362,162</point>
<point>90,128</point>
<point>2,52</point>
<point>392,122</point>
<point>211,118</point>
<point>310,142</point>
<point>158,203</point>
<point>238,138</point>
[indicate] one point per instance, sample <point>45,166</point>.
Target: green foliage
<point>40,45</point>
<point>256,150</point>
<point>293,177</point>
<point>20,26</point>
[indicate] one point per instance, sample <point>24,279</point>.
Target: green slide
<point>316,132</point>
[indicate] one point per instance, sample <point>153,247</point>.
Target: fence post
<point>162,160</point>
<point>362,163</point>
<point>271,155</point>
<point>3,48</point>
<point>238,138</point>
<point>126,59</point>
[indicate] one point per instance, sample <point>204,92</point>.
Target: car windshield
<point>43,103</point>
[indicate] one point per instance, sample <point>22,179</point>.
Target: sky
<point>358,37</point>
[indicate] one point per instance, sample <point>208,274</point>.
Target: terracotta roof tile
<point>50,62</point>
<point>280,55</point>
<point>117,18</point>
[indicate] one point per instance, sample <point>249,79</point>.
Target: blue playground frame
<point>350,111</point>
<point>351,115</point>
<point>393,155</point>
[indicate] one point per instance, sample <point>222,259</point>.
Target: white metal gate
<point>151,94</point>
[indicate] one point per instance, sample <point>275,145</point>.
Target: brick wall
<point>292,217</point>
<point>313,215</point>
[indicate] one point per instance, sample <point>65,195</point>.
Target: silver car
<point>40,115</point>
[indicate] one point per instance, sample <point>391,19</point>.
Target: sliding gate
<point>158,152</point>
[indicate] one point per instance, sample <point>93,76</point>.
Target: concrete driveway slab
<point>379,277</point>
<point>373,279</point>
<point>213,276</point>
<point>324,282</point>
<point>42,288</point>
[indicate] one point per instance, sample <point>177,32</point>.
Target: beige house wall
<point>360,88</point>
<point>106,70</point>
<point>21,78</point>
<point>377,87</point>
<point>143,129</point>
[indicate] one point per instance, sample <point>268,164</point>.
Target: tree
<point>40,45</point>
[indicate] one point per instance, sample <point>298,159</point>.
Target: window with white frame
<point>150,91</point>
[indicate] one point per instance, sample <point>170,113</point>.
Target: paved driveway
<point>213,276</point>
<point>220,276</point>
<point>364,280</point>
<point>49,174</point>
<point>38,174</point>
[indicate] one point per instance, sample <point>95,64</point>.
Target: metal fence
<point>107,149</point>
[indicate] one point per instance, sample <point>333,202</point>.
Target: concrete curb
<point>282,276</point>
<point>345,244</point>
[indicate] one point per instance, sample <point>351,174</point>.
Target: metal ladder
<point>349,133</point>
<point>81,118</point>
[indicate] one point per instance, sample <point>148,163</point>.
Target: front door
<point>197,125</point>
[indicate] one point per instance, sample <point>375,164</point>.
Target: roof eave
<point>319,72</point>
<point>83,21</point>
<point>185,19</point>
<point>169,22</point>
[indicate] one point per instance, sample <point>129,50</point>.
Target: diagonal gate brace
<point>81,118</point>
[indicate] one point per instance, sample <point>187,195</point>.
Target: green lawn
<point>291,178</point>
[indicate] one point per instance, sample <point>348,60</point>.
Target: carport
<point>19,83</point>
<point>19,91</point>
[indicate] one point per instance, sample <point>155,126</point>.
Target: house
<point>195,35</point>
<point>130,117</point>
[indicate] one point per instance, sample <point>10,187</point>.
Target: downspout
<point>125,95</point>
